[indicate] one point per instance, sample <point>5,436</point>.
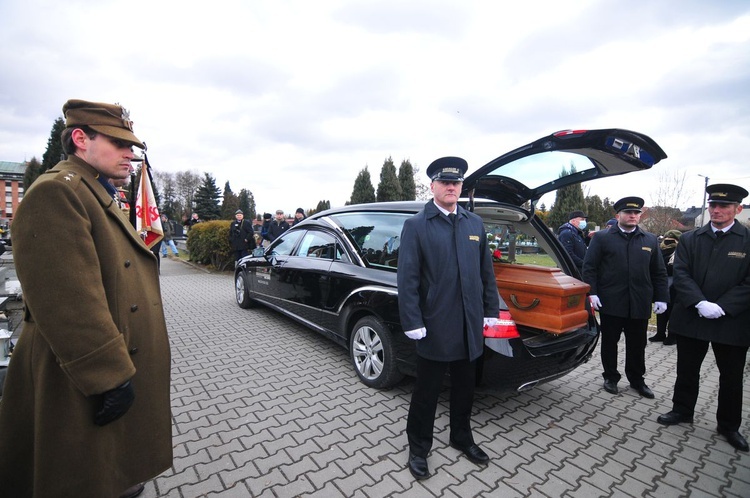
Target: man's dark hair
<point>67,138</point>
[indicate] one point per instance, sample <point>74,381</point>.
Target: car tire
<point>372,352</point>
<point>241,291</point>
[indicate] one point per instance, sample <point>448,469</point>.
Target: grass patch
<point>535,259</point>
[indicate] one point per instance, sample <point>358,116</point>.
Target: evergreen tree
<point>322,206</point>
<point>207,199</point>
<point>567,199</point>
<point>599,211</point>
<point>363,192</point>
<point>389,188</point>
<point>247,203</point>
<point>54,152</point>
<point>406,180</point>
<point>230,203</point>
<point>33,170</point>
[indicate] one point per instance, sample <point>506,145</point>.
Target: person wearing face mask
<point>668,245</point>
<point>570,235</point>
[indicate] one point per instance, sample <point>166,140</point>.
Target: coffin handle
<point>533,304</point>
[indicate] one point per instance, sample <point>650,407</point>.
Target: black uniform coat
<point>717,271</point>
<point>572,240</point>
<point>445,287</point>
<point>241,235</point>
<point>627,274</point>
<point>93,320</point>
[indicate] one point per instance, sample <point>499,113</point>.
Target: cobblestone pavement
<point>265,407</point>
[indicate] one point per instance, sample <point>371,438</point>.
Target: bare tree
<point>664,213</point>
<point>186,184</point>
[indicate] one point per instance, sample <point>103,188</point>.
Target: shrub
<point>208,244</point>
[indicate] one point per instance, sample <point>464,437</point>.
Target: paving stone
<point>264,407</point>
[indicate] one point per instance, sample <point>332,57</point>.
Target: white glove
<point>709,310</point>
<point>660,307</point>
<point>595,303</point>
<point>490,322</point>
<point>416,334</point>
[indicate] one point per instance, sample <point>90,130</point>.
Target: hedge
<point>208,244</point>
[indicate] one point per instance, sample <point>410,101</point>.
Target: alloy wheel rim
<point>367,350</point>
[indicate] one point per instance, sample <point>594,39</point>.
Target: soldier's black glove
<point>114,404</point>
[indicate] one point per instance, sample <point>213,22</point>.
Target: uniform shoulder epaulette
<point>68,176</point>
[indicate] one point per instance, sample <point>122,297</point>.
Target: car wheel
<point>241,292</point>
<point>371,350</point>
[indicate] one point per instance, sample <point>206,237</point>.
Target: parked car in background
<point>336,271</point>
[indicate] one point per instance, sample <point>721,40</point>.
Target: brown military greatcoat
<point>94,319</point>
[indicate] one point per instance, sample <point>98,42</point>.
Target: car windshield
<point>377,235</point>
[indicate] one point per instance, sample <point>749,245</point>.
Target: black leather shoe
<point>734,438</point>
<point>418,467</point>
<point>670,341</point>
<point>672,418</point>
<point>644,391</point>
<point>611,386</point>
<point>657,338</point>
<point>133,491</point>
<point>473,453</point>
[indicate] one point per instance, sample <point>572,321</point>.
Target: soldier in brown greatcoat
<point>85,410</point>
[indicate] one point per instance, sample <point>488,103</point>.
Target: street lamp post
<point>703,206</point>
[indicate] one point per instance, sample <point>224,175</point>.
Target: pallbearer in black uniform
<point>712,305</point>
<point>446,293</point>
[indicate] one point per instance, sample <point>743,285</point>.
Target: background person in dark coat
<point>241,236</point>
<point>264,228</point>
<point>446,292</point>
<point>668,245</point>
<point>712,305</point>
<point>299,216</point>
<point>571,237</point>
<point>277,226</point>
<point>625,269</point>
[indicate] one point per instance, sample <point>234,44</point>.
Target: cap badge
<point>126,118</point>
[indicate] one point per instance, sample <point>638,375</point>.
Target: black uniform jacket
<point>572,240</point>
<point>628,274</point>
<point>241,235</point>
<point>446,287</point>
<point>706,269</point>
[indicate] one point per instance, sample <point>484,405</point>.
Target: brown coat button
<point>133,351</point>
<point>127,263</point>
<point>134,307</point>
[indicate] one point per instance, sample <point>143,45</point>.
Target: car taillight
<point>505,328</point>
<point>568,133</point>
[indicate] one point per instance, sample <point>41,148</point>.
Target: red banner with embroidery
<point>147,219</point>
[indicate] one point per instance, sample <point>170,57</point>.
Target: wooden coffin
<point>542,297</point>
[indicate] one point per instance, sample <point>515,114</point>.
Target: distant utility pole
<point>703,206</point>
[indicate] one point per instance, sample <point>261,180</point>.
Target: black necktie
<point>452,217</point>
<point>719,233</point>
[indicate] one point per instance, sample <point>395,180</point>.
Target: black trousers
<point>731,363</point>
<point>662,320</point>
<point>635,347</point>
<point>429,383</point>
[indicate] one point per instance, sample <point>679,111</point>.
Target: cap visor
<point>119,133</point>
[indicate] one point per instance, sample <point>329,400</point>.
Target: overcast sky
<point>291,99</point>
